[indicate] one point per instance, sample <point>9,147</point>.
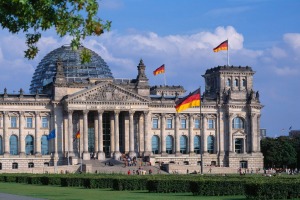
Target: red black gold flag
<point>159,70</point>
<point>189,101</point>
<point>222,46</point>
<point>77,136</point>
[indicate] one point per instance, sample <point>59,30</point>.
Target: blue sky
<point>263,34</point>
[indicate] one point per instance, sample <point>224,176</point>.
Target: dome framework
<point>74,70</point>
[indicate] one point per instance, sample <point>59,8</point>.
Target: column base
<point>117,155</point>
<point>86,156</point>
<point>147,153</point>
<point>38,154</point>
<point>101,155</point>
<point>178,154</point>
<point>22,154</point>
<point>132,154</point>
<point>70,154</point>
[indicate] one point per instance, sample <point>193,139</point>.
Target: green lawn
<point>68,193</point>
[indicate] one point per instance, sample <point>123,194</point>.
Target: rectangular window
<point>197,123</point>
<point>29,122</point>
<point>154,123</point>
<point>211,123</point>
<point>169,123</point>
<point>183,123</point>
<point>44,122</point>
<point>13,122</point>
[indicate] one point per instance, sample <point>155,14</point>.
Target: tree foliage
<point>279,152</point>
<point>77,18</point>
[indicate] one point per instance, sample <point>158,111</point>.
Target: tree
<point>77,18</point>
<point>279,152</point>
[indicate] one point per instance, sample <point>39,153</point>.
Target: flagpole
<point>165,75</point>
<point>228,53</point>
<point>80,157</point>
<point>201,154</point>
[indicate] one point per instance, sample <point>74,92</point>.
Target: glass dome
<point>73,69</point>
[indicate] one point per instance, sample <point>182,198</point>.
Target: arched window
<point>228,82</point>
<point>197,144</point>
<point>1,146</point>
<point>29,148</point>
<point>210,144</point>
<point>13,145</point>
<point>238,145</point>
<point>155,144</point>
<point>183,144</point>
<point>244,83</point>
<point>237,123</point>
<point>169,144</point>
<point>15,165</point>
<point>31,165</point>
<point>236,82</point>
<point>44,145</point>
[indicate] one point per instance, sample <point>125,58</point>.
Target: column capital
<point>22,113</point>
<point>146,112</point>
<point>5,113</point>
<point>116,112</point>
<point>253,115</point>
<point>85,112</point>
<point>131,112</point>
<point>37,113</point>
<point>100,112</point>
<point>70,112</point>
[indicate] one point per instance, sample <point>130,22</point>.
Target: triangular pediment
<point>106,92</point>
<point>239,133</point>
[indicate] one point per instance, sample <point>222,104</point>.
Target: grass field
<point>68,193</point>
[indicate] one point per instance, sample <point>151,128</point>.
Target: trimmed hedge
<point>130,183</point>
<point>217,187</point>
<point>273,189</point>
<point>168,186</point>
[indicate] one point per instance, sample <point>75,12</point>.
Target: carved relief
<point>109,93</point>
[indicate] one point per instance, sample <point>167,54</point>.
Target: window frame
<point>29,124</point>
<point>45,124</point>
<point>211,123</point>
<point>183,123</point>
<point>155,121</point>
<point>169,123</point>
<point>13,122</point>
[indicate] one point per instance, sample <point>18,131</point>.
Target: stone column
<point>230,139</point>
<point>253,132</point>
<point>117,153</point>
<point>37,140</point>
<point>112,134</point>
<point>217,135</point>
<point>5,134</point>
<point>101,155</point>
<point>163,136</point>
<point>244,144</point>
<point>204,133</point>
<point>177,135</point>
<point>86,155</point>
<point>191,138</point>
<point>22,141</point>
<point>132,153</point>
<point>70,133</point>
<point>221,132</point>
<point>147,139</point>
<point>258,134</point>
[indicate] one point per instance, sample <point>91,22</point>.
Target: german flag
<point>222,46</point>
<point>189,101</point>
<point>159,70</point>
<point>77,136</point>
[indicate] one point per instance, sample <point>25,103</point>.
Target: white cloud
<point>287,71</point>
<point>292,39</point>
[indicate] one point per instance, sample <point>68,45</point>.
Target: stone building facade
<point>128,116</point>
